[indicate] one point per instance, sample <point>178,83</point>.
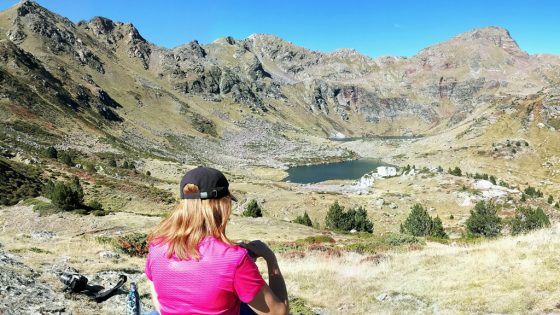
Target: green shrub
<point>252,210</point>
<point>437,228</point>
<point>317,239</point>
<point>484,220</point>
<point>492,179</point>
<point>129,165</point>
<point>104,239</point>
<point>550,199</point>
<point>503,184</point>
<point>88,166</point>
<point>95,205</point>
<point>382,243</point>
<point>43,208</point>
<point>305,220</point>
<point>361,221</point>
<point>98,213</point>
<point>532,192</point>
<point>419,223</point>
<point>66,158</point>
<point>18,182</point>
<point>77,186</point>
<point>335,216</point>
<point>399,239</point>
<point>67,196</point>
<point>81,211</point>
<point>456,171</point>
<point>353,219</point>
<point>527,219</point>
<point>112,162</point>
<point>364,248</point>
<point>299,307</point>
<point>51,152</point>
<point>148,173</point>
<point>132,244</point>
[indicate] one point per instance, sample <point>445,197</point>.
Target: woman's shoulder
<point>232,250</point>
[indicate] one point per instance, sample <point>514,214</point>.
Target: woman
<point>193,268</point>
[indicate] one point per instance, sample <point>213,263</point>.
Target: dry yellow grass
<point>511,275</point>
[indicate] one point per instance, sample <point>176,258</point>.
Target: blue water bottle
<point>133,302</point>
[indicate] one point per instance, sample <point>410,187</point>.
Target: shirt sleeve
<point>247,279</point>
<point>148,267</point>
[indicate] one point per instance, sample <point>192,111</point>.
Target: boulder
<point>107,254</point>
<point>386,171</point>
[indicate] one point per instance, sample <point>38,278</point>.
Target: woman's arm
<point>272,298</point>
<point>154,296</point>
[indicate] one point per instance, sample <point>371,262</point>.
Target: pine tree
<point>456,171</point>
<point>335,215</point>
<point>66,159</point>
<point>418,222</point>
<point>437,228</point>
<point>252,210</point>
<point>52,153</point>
<point>305,220</point>
<point>67,197</point>
<point>361,221</point>
<point>527,219</point>
<point>484,220</point>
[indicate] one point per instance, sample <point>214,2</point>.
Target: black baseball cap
<point>212,184</point>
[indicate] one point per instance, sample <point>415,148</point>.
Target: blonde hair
<point>190,222</point>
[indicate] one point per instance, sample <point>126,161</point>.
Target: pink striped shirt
<point>215,284</point>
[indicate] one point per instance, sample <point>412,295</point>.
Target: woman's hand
<point>259,249</point>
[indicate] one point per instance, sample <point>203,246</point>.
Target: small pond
<point>354,169</point>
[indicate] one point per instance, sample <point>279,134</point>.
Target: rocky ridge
<point>108,75</point>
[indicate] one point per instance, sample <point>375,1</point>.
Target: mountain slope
<point>104,76</point>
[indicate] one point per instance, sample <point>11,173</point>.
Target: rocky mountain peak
<point>101,25</point>
<point>27,6</point>
<point>495,35</point>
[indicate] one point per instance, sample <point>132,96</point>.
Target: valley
<point>95,101</point>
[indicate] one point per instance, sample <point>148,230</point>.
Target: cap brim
<point>233,197</point>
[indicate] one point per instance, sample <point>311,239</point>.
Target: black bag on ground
<point>76,283</point>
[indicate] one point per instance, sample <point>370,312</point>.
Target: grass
<point>30,249</point>
<point>506,275</point>
<point>299,306</point>
<point>42,207</point>
<point>381,243</point>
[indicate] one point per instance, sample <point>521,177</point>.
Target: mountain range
<point>100,80</point>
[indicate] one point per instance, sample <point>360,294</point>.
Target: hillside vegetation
<point>98,126</point>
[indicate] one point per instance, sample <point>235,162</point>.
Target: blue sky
<point>375,28</point>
